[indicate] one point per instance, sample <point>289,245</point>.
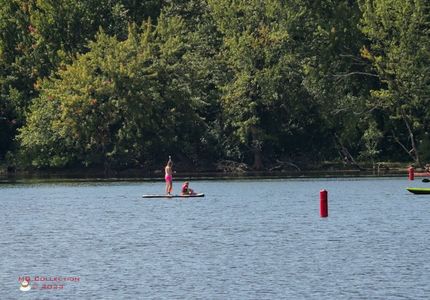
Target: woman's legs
<point>169,180</point>
<point>169,186</point>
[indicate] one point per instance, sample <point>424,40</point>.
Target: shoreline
<point>134,176</point>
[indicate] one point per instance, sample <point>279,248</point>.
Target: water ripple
<point>255,240</point>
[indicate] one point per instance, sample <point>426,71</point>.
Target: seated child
<point>186,190</point>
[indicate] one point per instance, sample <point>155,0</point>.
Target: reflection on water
<point>247,239</point>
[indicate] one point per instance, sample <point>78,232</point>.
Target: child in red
<point>186,190</point>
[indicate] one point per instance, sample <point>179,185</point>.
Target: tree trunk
<point>344,152</point>
<point>414,151</point>
<point>256,149</point>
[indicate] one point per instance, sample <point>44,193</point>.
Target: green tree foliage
<point>119,103</point>
<point>77,116</point>
<point>139,11</point>
<point>207,67</point>
<point>399,50</point>
<point>328,41</point>
<point>263,100</point>
<point>18,69</point>
<point>371,138</point>
<point>121,83</point>
<point>38,36</point>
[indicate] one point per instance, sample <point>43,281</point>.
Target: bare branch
<point>409,152</point>
<point>354,73</point>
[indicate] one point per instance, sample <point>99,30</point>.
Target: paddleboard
<point>174,196</point>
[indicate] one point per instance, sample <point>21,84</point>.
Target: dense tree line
<point>121,84</point>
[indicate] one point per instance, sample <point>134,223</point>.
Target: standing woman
<point>168,176</point>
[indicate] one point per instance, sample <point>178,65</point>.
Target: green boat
<point>419,190</point>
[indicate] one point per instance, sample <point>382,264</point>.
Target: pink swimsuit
<point>168,177</point>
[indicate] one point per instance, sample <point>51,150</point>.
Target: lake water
<point>247,239</point>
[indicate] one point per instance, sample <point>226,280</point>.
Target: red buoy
<point>411,173</point>
<point>323,204</point>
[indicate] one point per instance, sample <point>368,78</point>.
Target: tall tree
<point>205,70</point>
<point>39,36</point>
<point>263,98</point>
<point>18,68</point>
<point>90,112</point>
<point>123,103</point>
<point>399,50</point>
<point>328,41</point>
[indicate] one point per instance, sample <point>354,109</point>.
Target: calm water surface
<point>247,239</point>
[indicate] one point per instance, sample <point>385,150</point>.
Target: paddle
<point>426,180</point>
